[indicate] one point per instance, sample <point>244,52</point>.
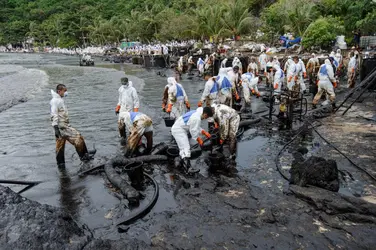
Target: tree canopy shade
<point>68,23</point>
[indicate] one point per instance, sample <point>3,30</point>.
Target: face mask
<point>65,93</point>
<point>125,84</point>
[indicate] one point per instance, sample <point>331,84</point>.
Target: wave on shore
<point>18,84</point>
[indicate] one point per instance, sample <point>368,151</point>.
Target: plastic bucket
<point>214,139</point>
<point>172,152</point>
<point>216,158</point>
<point>169,122</point>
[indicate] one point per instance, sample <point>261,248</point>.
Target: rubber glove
<point>200,141</point>
<point>305,74</point>
<point>188,105</point>
<point>203,132</point>
<point>237,97</point>
<point>276,86</point>
<point>169,108</point>
<point>57,132</point>
<point>135,110</point>
<point>335,84</point>
<point>117,109</point>
<point>199,104</point>
<point>163,107</point>
<point>221,141</point>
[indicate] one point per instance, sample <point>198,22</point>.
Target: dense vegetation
<point>68,23</point>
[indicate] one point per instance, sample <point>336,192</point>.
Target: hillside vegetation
<point>70,23</point>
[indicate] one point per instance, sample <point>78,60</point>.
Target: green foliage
<point>84,22</point>
<point>322,32</point>
<point>289,16</point>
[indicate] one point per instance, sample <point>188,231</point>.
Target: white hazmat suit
<point>210,93</point>
<point>326,82</point>
<point>302,75</point>
<point>200,66</point>
<point>128,98</point>
<point>262,61</point>
<point>278,79</point>
<point>225,87</point>
<point>177,98</point>
<point>187,123</point>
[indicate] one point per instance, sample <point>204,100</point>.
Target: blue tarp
<point>288,43</point>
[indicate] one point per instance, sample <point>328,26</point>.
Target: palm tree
<point>237,19</point>
<point>83,28</point>
<point>96,32</point>
<point>209,22</point>
<point>299,15</point>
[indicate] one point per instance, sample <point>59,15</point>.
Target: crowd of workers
<point>217,104</point>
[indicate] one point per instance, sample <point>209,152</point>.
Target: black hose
<point>278,164</point>
<point>26,188</point>
<point>83,173</point>
<point>353,163</point>
<point>122,161</point>
<point>131,219</point>
<point>29,184</point>
<point>20,182</point>
<point>240,132</point>
<point>249,122</point>
<point>330,144</point>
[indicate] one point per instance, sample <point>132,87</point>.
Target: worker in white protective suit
<point>228,122</point>
<point>333,60</point>
<point>249,84</point>
<point>237,62</point>
<point>210,93</point>
<point>177,101</point>
<point>235,76</point>
<point>276,61</point>
<point>252,67</point>
<point>268,71</point>
<point>287,64</point>
<point>223,63</point>
<point>139,125</point>
<point>326,83</point>
<point>226,88</point>
<point>200,66</point>
<point>180,65</point>
<point>206,58</point>
<point>279,77</point>
<point>302,75</point>
<point>293,75</point>
<point>339,57</point>
<point>63,130</point>
<point>191,64</point>
<point>263,59</point>
<point>190,123</point>
<point>313,66</point>
<point>351,70</point>
<point>128,102</point>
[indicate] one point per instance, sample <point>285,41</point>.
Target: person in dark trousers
<point>357,36</point>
